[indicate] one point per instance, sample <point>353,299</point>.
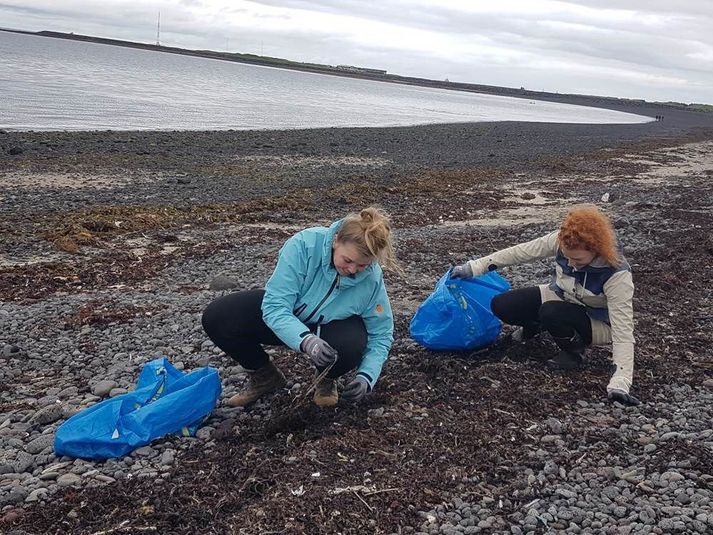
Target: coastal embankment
<point>112,243</point>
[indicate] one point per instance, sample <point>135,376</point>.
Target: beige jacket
<point>606,291</point>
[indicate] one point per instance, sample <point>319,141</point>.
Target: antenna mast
<point>158,30</point>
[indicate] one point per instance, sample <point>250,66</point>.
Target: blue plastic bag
<point>166,400</point>
<point>457,315</point>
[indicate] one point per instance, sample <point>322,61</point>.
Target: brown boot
<point>325,395</point>
<point>266,379</point>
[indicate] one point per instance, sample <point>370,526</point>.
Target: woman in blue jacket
<point>326,299</point>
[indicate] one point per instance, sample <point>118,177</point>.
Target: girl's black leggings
<point>234,323</point>
<point>525,307</point>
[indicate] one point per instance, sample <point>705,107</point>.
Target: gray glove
<point>356,390</point>
<point>616,394</point>
<point>321,353</point>
<point>464,271</point>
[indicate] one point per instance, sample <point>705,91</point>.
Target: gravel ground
<point>110,255</point>
<point>603,470</point>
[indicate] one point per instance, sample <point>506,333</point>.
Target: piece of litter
<point>355,488</point>
<point>316,474</point>
<point>299,491</point>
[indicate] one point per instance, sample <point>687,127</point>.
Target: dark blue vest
<point>591,278</point>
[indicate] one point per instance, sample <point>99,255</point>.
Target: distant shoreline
<point>612,103</point>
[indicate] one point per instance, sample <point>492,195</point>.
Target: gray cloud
<point>655,49</point>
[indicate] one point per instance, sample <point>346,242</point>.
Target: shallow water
<point>58,84</point>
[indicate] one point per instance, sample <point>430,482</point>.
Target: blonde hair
<point>586,227</point>
<point>370,231</point>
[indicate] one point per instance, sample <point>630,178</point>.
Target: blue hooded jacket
<point>305,289</point>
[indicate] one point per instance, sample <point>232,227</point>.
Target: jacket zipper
<point>334,285</point>
<point>584,287</point>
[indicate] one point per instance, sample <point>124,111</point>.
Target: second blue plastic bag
<point>166,400</point>
<point>457,315</point>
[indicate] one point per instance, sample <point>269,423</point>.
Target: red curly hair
<point>587,227</point>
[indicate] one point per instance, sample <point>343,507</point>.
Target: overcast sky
<point>653,49</point>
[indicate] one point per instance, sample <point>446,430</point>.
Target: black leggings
<point>234,323</point>
<point>525,307</point>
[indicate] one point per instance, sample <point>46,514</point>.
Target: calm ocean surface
<point>55,84</point>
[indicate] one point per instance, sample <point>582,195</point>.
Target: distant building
<point>364,70</point>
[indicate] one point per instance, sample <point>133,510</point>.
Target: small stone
<point>555,425</point>
<point>669,436</point>
<point>10,518</point>
<point>145,451</point>
<point>39,444</point>
<point>48,415</point>
<point>666,524</point>
<point>36,495</point>
<point>672,476</point>
<point>10,351</point>
<point>551,469</point>
<point>117,392</point>
<point>566,493</point>
<point>102,388</point>
<point>204,433</point>
<point>68,480</point>
<point>167,457</point>
<point>16,495</point>
<point>221,282</point>
<point>22,462</point>
<point>68,392</point>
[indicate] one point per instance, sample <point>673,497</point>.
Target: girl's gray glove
<point>321,353</point>
<point>472,269</point>
<point>464,271</point>
<point>356,390</point>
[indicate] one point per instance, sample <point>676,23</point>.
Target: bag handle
<point>476,280</point>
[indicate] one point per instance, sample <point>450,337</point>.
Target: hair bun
<point>367,215</point>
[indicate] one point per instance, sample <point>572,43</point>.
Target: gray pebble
<point>222,282</point>
<point>36,495</point>
<point>39,444</point>
<point>48,415</point>
<point>167,457</point>
<point>69,480</point>
<point>103,388</point>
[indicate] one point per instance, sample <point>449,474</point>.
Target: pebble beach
<point>114,242</point>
